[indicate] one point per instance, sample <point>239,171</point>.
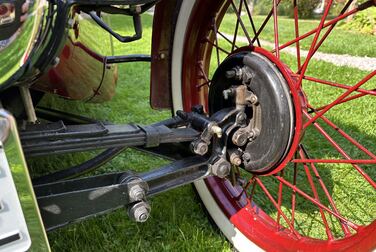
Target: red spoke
<point>306,196</point>
<point>333,84</point>
<point>311,49</point>
<point>280,198</point>
<point>216,41</point>
<point>335,161</point>
<point>237,12</point>
<point>296,21</point>
<point>276,206</point>
<point>339,99</point>
<point>218,47</point>
<point>316,196</point>
<point>203,76</point>
<point>276,35</point>
<point>264,24</point>
<point>293,197</point>
<point>323,38</point>
<point>348,137</point>
<point>353,97</point>
<point>321,182</point>
<point>331,22</point>
<point>251,21</point>
<point>226,38</point>
<point>203,84</point>
<point>342,152</point>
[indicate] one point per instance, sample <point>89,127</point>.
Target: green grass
<point>178,222</point>
<point>339,41</point>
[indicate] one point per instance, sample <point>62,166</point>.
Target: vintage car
<point>269,129</point>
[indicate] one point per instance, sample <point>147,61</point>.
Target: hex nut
<point>240,138</point>
<point>136,193</point>
<point>221,168</point>
<point>139,212</point>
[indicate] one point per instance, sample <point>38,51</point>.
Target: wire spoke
<point>216,41</point>
<point>259,31</point>
<point>315,202</point>
<point>227,39</point>
<point>311,49</point>
<point>316,196</point>
<point>339,99</point>
<point>327,33</point>
<point>338,85</point>
<point>238,12</point>
<point>342,152</point>
<point>252,22</point>
<point>236,26</point>
<point>296,23</point>
<point>340,17</point>
<point>304,154</point>
<point>276,35</point>
<point>280,195</point>
<point>218,47</point>
<point>293,196</point>
<point>348,137</point>
<point>267,193</point>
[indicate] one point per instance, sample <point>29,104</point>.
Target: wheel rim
<point>302,176</point>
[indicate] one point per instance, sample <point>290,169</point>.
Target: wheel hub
<point>261,129</point>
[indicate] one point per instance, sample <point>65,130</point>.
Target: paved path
<point>363,63</point>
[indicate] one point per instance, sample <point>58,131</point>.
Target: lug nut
<point>139,212</point>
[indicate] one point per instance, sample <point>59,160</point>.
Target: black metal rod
<point>128,58</point>
<point>65,202</point>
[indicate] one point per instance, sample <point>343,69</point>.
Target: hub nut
<point>139,212</point>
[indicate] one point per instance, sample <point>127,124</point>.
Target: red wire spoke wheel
<point>313,187</point>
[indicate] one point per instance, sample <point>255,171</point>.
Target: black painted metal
<point>76,138</point>
<point>128,58</point>
<point>65,202</point>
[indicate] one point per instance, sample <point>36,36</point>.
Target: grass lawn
<point>178,222</point>
<point>339,41</point>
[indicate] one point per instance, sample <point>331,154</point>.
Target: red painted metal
<point>296,25</point>
<point>165,15</point>
<point>339,99</point>
<point>276,35</point>
<point>333,84</point>
<point>331,22</point>
<point>236,203</point>
<point>303,69</point>
<point>82,72</point>
<point>335,161</point>
<point>341,150</point>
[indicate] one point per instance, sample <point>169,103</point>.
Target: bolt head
<point>223,170</point>
<point>240,138</point>
<point>201,148</point>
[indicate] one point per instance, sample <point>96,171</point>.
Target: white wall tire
<point>238,239</point>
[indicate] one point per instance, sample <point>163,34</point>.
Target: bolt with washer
<point>139,212</point>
